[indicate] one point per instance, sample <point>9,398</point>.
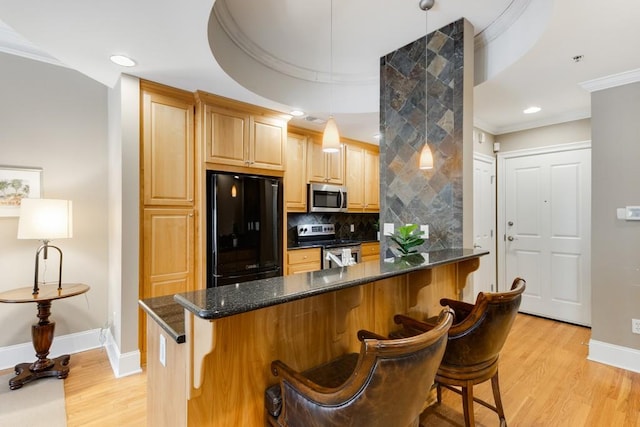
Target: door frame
<point>492,161</point>
<point>501,189</point>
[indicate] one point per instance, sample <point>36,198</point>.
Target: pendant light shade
<point>426,157</point>
<point>331,137</point>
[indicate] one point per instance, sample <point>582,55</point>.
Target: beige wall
<point>562,133</point>
<point>615,270</point>
<point>485,147</point>
<point>56,118</point>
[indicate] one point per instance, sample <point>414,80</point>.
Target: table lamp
<point>45,219</point>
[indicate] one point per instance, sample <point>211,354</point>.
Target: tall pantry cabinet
<point>168,211</point>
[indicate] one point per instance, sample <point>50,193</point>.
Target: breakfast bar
<point>209,351</point>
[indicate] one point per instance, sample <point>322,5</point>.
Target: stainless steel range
<point>335,252</point>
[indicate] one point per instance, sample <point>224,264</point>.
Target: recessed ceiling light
<point>296,113</point>
<point>531,110</point>
<point>122,60</point>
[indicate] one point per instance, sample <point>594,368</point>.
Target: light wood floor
<point>545,379</point>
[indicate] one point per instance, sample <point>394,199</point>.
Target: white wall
<point>55,118</point>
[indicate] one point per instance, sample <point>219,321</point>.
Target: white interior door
<point>484,223</point>
<point>547,221</point>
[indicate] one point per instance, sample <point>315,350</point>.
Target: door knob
<point>511,238</point>
<point>510,223</point>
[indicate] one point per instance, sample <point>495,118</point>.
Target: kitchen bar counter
<point>217,376</point>
<point>226,301</point>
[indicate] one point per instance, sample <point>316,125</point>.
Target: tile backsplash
<point>364,224</point>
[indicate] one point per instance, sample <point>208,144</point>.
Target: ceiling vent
<point>315,120</point>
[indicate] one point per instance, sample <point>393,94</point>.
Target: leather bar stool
<point>474,344</point>
<point>386,384</point>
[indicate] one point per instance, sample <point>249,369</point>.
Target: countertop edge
<point>203,313</point>
<point>164,322</point>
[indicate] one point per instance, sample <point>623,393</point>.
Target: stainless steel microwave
<point>326,198</point>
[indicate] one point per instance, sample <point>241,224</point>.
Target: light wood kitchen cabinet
<point>167,147</point>
<point>242,138</point>
<point>370,251</point>
<point>167,191</point>
<point>226,133</point>
<point>295,179</point>
<point>168,245</point>
<point>303,260</point>
<point>363,179</point>
<point>268,143</point>
<point>324,167</point>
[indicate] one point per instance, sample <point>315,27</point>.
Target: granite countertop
<point>216,303</point>
<point>168,314</point>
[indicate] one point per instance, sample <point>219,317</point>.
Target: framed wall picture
<point>17,183</point>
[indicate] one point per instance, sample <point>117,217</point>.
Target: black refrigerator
<point>244,228</point>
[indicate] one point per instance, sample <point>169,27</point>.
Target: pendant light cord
<point>331,59</point>
<point>426,155</point>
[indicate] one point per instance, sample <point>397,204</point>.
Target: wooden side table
<point>42,332</point>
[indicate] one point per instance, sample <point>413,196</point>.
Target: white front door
<point>546,232</point>
<point>484,224</point>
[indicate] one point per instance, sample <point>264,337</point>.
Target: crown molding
<point>548,121</point>
<point>246,45</point>
<point>14,44</point>
<point>501,24</point>
<point>620,79</point>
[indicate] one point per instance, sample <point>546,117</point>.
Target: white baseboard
<point>64,344</point>
<point>121,364</point>
<point>614,355</point>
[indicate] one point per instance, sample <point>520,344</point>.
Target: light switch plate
<point>425,231</point>
<point>163,350</point>
<point>388,229</point>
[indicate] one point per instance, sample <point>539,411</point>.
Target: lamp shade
<point>331,137</point>
<point>426,158</point>
<point>45,219</point>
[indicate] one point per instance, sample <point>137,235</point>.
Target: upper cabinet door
<point>335,166</point>
<point>226,133</point>
<point>371,181</point>
<point>295,183</point>
<point>268,142</point>
<point>324,167</point>
<point>168,149</point>
<point>355,178</point>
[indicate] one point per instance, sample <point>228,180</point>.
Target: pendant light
<point>426,156</point>
<point>331,136</point>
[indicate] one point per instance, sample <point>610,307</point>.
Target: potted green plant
<point>407,238</point>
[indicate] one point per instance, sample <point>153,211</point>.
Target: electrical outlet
<point>353,228</point>
<point>635,326</point>
<point>388,228</point>
<point>163,350</point>
<point>425,231</point>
